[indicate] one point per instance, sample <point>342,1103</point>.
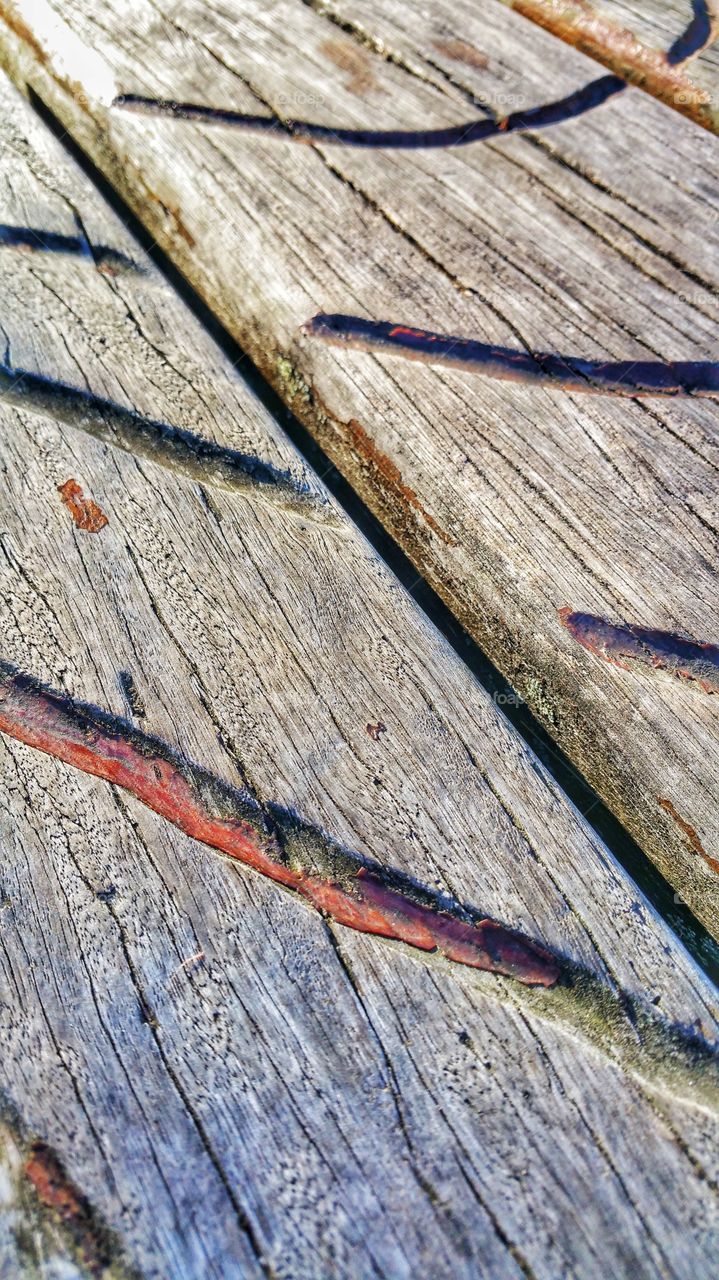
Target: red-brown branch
<point>353,891</point>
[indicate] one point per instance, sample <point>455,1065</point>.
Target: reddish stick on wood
<point>339,883</point>
<point>624,645</point>
<point>565,373</point>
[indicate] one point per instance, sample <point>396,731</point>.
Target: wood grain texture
<point>514,502</point>
<point>236,1087</point>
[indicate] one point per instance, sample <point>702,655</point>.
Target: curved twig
<point>459,135</point>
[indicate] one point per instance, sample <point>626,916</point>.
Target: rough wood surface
<point>202,1077</point>
<point>594,238</point>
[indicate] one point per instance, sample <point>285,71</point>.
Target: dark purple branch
<point>459,135</point>
<point>568,373</point>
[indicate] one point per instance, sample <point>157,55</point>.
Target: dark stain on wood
<point>460,51</point>
<point>376,730</point>
<point>353,59</point>
<point>84,511</point>
<point>340,883</point>
<point>627,645</point>
<point>693,840</point>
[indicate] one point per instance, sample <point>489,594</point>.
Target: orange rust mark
<point>622,52</point>
<point>460,51</point>
<point>57,1193</point>
<point>51,1183</point>
<point>23,32</point>
<point>376,730</point>
<point>389,476</point>
<point>84,511</point>
<point>355,61</point>
<point>14,23</point>
<point>401,331</point>
<point>693,840</point>
<point>172,211</point>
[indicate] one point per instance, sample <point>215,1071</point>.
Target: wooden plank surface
<point>593,238</point>
<point>202,1077</point>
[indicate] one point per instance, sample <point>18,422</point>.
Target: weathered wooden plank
<point>235,1085</point>
<point>514,501</point>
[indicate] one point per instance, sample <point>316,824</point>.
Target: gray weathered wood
<point>239,1088</point>
<point>513,501</point>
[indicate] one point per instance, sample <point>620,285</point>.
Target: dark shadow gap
<point>697,940</point>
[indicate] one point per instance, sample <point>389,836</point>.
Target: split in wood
<point>178,450</point>
<point>459,135</point>
<point>356,892</point>
<point>627,645</point>
<point>565,373</point>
